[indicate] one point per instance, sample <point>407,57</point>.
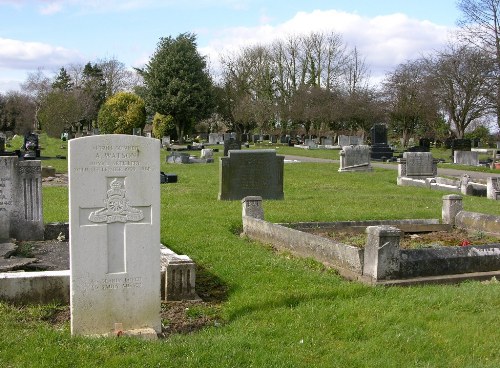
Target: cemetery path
<point>392,166</point>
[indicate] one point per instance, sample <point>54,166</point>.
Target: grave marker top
<point>114,233</point>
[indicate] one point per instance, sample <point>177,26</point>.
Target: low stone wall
<point>382,261</point>
<point>178,276</point>
<point>344,257</point>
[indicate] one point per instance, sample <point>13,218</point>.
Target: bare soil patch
<point>456,237</point>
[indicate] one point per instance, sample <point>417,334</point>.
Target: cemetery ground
<point>265,308</point>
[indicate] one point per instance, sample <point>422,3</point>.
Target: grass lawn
<point>276,310</point>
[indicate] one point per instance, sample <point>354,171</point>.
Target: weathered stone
<point>252,206</point>
<point>355,158</point>
<point>381,258</point>
<point>452,205</point>
<point>21,215</point>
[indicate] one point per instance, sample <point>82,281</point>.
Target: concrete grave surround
<point>114,234</point>
<point>251,173</point>
<point>21,214</point>
<point>355,158</point>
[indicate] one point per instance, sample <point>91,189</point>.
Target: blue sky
<point>51,34</point>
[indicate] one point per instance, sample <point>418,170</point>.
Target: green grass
<point>279,310</point>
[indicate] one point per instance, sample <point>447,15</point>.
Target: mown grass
<point>278,310</point>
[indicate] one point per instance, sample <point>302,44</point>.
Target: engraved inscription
<point>114,159</point>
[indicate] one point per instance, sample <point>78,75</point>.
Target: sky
<point>50,34</point>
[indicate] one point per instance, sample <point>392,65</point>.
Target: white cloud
<point>15,54</point>
<point>384,41</point>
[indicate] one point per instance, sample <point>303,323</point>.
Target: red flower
<point>465,242</point>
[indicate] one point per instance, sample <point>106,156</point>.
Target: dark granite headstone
<point>231,144</point>
<point>380,149</point>
<point>251,173</point>
<point>461,144</point>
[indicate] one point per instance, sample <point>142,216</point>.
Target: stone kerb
<point>114,200</point>
<point>417,165</point>
<point>251,173</point>
<point>252,206</point>
<point>382,253</point>
<point>452,205</point>
<point>355,158</point>
<point>493,188</point>
<point>21,214</point>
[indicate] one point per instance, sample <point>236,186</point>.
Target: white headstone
<point>114,191</point>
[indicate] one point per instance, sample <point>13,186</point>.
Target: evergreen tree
<point>177,82</point>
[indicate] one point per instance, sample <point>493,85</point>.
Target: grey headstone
<point>418,165</point>
<point>21,214</point>
<point>355,158</point>
<point>231,144</point>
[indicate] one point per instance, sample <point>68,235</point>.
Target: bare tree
<point>461,78</point>
<point>480,24</point>
<point>406,98</point>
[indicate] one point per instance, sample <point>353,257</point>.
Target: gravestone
<point>231,144</point>
<point>21,215</point>
<point>466,158</point>
<point>256,138</point>
<point>114,200</point>
<point>165,141</point>
<point>355,158</point>
<point>251,173</point>
<point>417,165</point>
<point>327,141</point>
<point>213,138</point>
<point>460,145</point>
<point>380,149</point>
<point>177,157</point>
<point>2,144</point>
<point>207,153</point>
<point>311,143</point>
<point>349,140</point>
<point>284,139</point>
<point>30,146</point>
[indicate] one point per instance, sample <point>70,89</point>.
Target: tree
<point>121,113</point>
<point>409,103</point>
<point>59,110</point>
<point>63,81</point>
<point>17,112</point>
<point>461,78</point>
<point>177,82</point>
<point>162,125</point>
<point>93,91</point>
<point>480,25</point>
